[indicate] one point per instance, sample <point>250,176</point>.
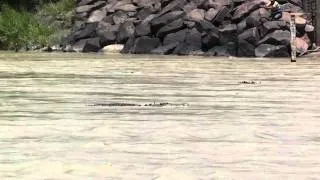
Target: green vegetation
<point>26,27</point>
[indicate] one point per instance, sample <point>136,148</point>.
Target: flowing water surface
<point>55,122</point>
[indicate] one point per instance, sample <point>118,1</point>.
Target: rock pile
<point>185,27</point>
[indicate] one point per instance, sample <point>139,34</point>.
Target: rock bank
<point>186,27</point>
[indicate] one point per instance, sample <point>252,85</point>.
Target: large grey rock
<point>172,38</point>
<point>87,45</point>
<point>271,26</point>
<point>153,5</point>
<point>255,18</point>
<point>166,49</point>
<point>172,6</point>
<point>107,33</point>
<point>246,8</point>
<point>126,31</point>
<point>160,21</point>
<point>144,45</point>
<point>88,30</point>
<point>170,28</point>
<point>268,50</point>
<point>278,37</point>
<point>245,49</point>
<point>223,50</point>
<point>250,35</point>
<point>228,33</point>
<point>210,40</point>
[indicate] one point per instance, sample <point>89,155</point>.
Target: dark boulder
<point>209,40</point>
<point>193,38</point>
<point>223,14</point>
<point>192,44</point>
<point>173,6</point>
<point>87,45</point>
<point>152,5</point>
<point>127,48</point>
<point>170,28</point>
<point>288,7</point>
<point>246,8</point>
<point>166,49</point>
<point>228,33</point>
<point>107,33</point>
<point>187,49</point>
<point>256,17</point>
<point>278,37</point>
<point>268,50</point>
<point>245,49</point>
<point>206,26</point>
<point>223,50</point>
<point>144,45</point>
<point>250,35</point>
<point>88,30</point>
<point>179,36</point>
<point>126,31</point>
<point>161,21</point>
<point>270,26</point>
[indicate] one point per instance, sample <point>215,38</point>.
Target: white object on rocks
<point>309,28</point>
<point>113,48</point>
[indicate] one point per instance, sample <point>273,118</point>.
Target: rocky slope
<point>185,27</point>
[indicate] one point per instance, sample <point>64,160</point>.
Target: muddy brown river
<point>61,119</point>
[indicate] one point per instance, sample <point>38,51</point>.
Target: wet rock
<point>172,38</point>
<point>166,49</point>
<point>246,8</point>
<point>172,6</point>
<point>245,49</point>
<point>228,33</point>
<point>223,50</point>
<point>210,39</point>
<point>88,30</point>
<point>170,28</point>
<point>268,50</point>
<point>250,35</point>
<point>271,26</point>
<point>87,45</point>
<point>144,45</point>
<point>222,14</point>
<point>161,21</point>
<point>126,31</point>
<point>255,18</point>
<point>278,37</point>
